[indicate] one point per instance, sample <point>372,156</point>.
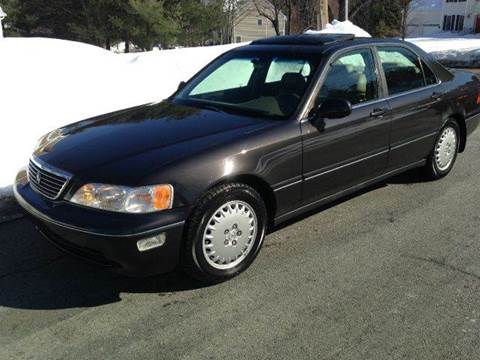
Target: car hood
<point>127,145</point>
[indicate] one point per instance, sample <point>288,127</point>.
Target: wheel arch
<point>258,184</point>
<point>460,119</point>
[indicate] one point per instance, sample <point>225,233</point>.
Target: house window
<point>238,39</point>
<point>453,22</point>
<point>459,24</point>
<point>259,22</point>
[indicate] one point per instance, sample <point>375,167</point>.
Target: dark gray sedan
<point>261,135</point>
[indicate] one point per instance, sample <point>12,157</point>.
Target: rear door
<point>344,152</point>
<point>415,99</point>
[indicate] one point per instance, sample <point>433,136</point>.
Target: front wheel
<point>224,233</point>
<point>445,151</point>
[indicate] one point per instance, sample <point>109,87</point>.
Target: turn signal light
<point>162,197</point>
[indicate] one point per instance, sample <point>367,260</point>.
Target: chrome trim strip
<point>288,185</point>
<point>398,146</point>
<point>353,189</point>
<point>472,117</point>
<point>30,209</point>
<point>47,167</point>
<point>310,177</point>
<point>412,91</point>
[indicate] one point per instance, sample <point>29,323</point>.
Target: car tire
<point>444,152</point>
<point>224,233</point>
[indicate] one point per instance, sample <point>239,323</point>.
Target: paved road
<point>391,273</point>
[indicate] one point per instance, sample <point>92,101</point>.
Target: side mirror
<point>181,85</point>
<point>332,109</point>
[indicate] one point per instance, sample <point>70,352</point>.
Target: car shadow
<point>35,275</point>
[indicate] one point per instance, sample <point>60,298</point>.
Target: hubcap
<point>446,149</point>
<point>230,235</point>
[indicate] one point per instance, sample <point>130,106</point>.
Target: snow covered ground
<point>47,83</point>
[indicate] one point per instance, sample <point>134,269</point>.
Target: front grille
<point>45,180</point>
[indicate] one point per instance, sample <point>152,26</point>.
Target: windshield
<point>260,85</point>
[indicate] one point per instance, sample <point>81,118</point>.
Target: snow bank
<point>451,49</point>
<point>341,27</point>
<point>48,83</point>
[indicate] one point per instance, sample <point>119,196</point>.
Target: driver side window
<point>351,77</point>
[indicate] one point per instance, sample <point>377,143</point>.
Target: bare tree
<point>271,10</point>
<point>358,7</point>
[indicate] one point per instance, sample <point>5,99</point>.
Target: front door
<point>341,153</point>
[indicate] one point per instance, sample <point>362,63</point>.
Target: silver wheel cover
<point>230,235</point>
<point>446,148</point>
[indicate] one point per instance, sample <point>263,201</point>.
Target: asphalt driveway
<point>390,273</point>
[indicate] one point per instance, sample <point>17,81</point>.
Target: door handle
<point>437,96</point>
<point>378,112</point>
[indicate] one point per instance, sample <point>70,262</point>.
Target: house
<point>461,15</point>
<point>426,17</point>
<point>250,25</point>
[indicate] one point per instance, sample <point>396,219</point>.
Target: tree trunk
<point>276,26</point>
<point>127,46</point>
<point>108,44</point>
<point>324,13</point>
<point>296,23</point>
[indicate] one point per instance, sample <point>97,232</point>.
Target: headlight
<point>145,199</point>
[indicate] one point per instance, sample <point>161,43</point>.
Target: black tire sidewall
<point>435,170</point>
<point>247,195</point>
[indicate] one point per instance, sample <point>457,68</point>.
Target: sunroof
<point>305,39</point>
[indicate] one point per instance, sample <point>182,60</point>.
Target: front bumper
<point>105,238</point>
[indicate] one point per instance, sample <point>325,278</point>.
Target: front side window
<point>402,69</point>
<point>352,77</point>
<point>262,84</point>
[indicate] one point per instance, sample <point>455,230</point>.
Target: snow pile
<point>47,83</point>
<point>341,27</point>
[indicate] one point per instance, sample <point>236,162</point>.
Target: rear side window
<point>352,77</point>
<point>430,77</point>
<point>402,69</point>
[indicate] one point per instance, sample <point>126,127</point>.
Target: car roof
<point>305,39</point>
<point>317,42</point>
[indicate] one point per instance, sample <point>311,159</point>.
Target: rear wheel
<point>445,151</point>
<point>224,233</point>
